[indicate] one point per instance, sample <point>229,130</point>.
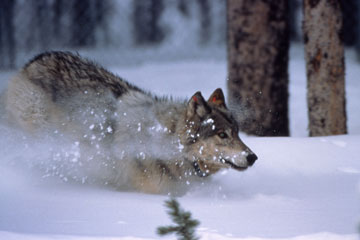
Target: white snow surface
<point>301,188</point>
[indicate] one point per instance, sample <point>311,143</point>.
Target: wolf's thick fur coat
<point>148,144</point>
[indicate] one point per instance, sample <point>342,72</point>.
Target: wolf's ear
<point>217,98</point>
<point>197,105</point>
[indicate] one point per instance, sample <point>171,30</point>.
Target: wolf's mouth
<point>236,167</point>
<point>198,171</point>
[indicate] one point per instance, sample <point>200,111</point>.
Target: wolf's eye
<point>222,135</point>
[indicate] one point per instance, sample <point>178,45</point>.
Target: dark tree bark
<point>101,10</point>
<point>258,44</point>
<point>156,33</point>
<point>146,19</point>
<point>83,24</point>
<point>140,18</point>
<point>350,21</point>
<point>42,16</point>
<point>2,64</point>
<point>205,20</point>
<point>325,67</point>
<point>357,47</point>
<point>7,31</point>
<point>183,6</point>
<point>58,10</point>
<point>293,9</point>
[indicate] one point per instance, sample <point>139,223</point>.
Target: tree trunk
<point>325,67</point>
<point>293,19</point>
<point>357,46</point>
<point>2,45</point>
<point>58,11</point>
<point>258,44</point>
<point>7,34</point>
<point>83,24</point>
<point>183,7</point>
<point>42,11</point>
<point>350,21</point>
<point>205,21</point>
<point>146,20</point>
<point>156,9</point>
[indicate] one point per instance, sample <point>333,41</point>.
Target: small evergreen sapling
<point>185,225</point>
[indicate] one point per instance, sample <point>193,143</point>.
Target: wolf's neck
<point>171,115</point>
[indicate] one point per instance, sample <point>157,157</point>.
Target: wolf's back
<point>39,92</point>
<point>63,73</point>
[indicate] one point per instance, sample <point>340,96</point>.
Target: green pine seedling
<point>185,225</point>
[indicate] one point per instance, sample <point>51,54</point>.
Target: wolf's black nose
<point>251,158</point>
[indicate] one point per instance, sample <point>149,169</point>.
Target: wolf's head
<point>211,135</point>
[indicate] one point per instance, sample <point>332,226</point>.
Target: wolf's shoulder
<point>61,70</point>
<point>47,56</point>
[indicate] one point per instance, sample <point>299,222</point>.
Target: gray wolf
<point>146,143</point>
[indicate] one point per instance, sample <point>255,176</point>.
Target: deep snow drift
<point>300,188</point>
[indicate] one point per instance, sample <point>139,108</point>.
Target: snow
<point>204,236</point>
<point>301,188</point>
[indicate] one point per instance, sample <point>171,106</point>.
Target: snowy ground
<point>300,188</point>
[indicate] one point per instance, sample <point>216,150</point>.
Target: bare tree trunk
<point>42,18</point>
<point>183,7</point>
<point>58,11</point>
<point>258,44</point>
<point>293,19</point>
<point>350,21</point>
<point>83,24</point>
<point>357,44</point>
<point>146,20</point>
<point>325,67</point>
<point>205,21</point>
<point>7,34</point>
